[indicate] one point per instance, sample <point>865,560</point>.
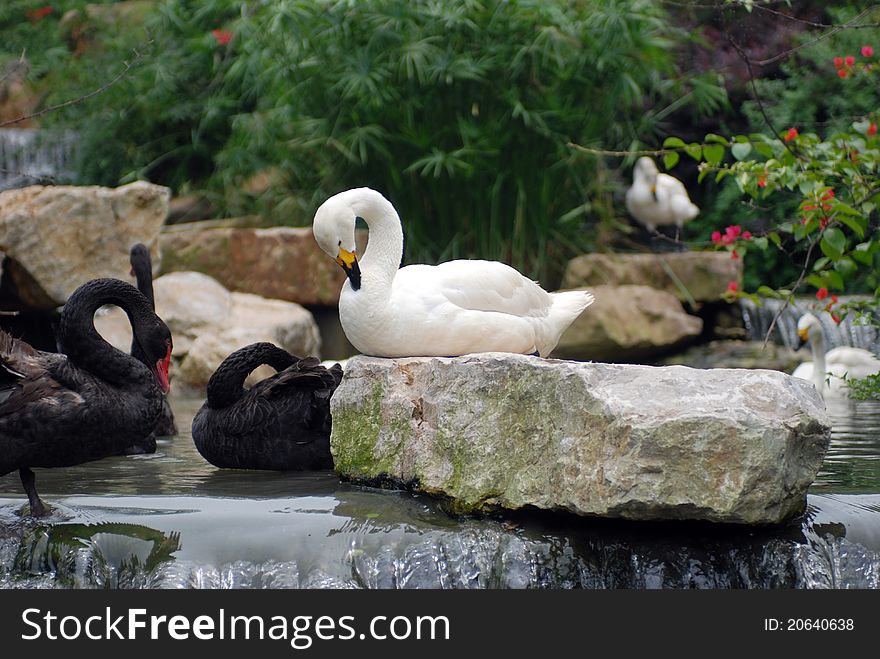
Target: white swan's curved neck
<point>381,259</point>
<point>817,342</point>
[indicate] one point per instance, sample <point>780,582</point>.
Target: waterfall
<point>31,156</point>
<point>858,333</point>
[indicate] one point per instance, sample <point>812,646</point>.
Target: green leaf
<point>741,150</point>
<point>853,223</point>
<point>774,237</point>
<point>673,143</point>
<point>821,263</point>
<point>816,280</point>
<point>764,149</point>
<point>834,279</point>
<point>836,239</point>
<point>829,250</point>
<point>695,151</point>
<point>846,267</point>
<point>766,291</point>
<point>717,139</point>
<point>670,159</point>
<point>713,153</point>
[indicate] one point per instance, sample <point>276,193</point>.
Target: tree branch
<point>73,101</point>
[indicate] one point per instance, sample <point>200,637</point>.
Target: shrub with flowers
<point>836,178</point>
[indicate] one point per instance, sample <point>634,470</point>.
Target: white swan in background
<point>656,199</point>
<point>451,309</point>
<point>828,369</point>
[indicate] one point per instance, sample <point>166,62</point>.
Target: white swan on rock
<point>829,370</point>
<point>656,199</point>
<point>451,309</point>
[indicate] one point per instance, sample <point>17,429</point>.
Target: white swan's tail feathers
<point>567,306</point>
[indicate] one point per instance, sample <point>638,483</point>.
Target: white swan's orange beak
<point>348,261</point>
<point>803,336</point>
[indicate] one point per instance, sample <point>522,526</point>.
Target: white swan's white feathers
<point>454,308</point>
<point>656,199</point>
<point>837,365</point>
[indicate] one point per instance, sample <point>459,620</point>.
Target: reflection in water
<point>171,520</point>
<point>366,539</point>
<point>94,555</point>
<point>853,460</point>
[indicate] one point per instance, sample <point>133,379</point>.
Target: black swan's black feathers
<point>58,410</point>
<point>281,423</point>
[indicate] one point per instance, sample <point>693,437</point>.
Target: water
<point>30,156</point>
<point>171,520</point>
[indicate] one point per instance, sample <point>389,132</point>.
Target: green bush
<point>461,113</point>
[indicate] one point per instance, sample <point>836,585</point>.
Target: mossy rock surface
<point>495,430</point>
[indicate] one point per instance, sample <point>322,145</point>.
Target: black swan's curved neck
<point>227,384</point>
<point>142,268</point>
<point>85,347</point>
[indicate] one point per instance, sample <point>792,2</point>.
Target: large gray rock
<point>252,319</point>
<point>281,263</point>
<point>628,323</point>
<point>637,442</point>
<point>698,276</point>
<point>62,236</point>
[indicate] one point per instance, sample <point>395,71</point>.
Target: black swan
<point>281,423</point>
<point>142,270</point>
<point>90,402</point>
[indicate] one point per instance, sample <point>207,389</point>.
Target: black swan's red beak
<point>162,371</point>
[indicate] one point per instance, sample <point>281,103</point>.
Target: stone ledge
<point>495,430</point>
<point>701,276</point>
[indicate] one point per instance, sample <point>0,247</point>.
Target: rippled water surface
<point>172,520</point>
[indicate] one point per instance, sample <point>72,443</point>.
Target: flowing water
<point>30,156</point>
<point>171,520</point>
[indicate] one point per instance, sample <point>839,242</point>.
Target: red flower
<point>836,318</point>
<point>733,230</point>
<point>716,237</point>
<point>791,134</point>
<point>36,15</point>
<point>222,37</point>
<point>822,293</point>
<point>810,208</point>
<point>823,222</point>
<point>833,299</point>
<point>838,62</point>
<point>733,287</point>
<point>762,181</point>
<point>828,195</point>
<point>747,235</point>
<point>872,129</point>
<point>849,60</point>
<point>867,51</point>
<point>841,73</point>
<point>734,256</point>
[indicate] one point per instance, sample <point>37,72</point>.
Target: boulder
<point>280,262</point>
<point>495,430</point>
<point>697,276</point>
<point>191,304</point>
<point>208,323</point>
<point>628,323</point>
<point>58,237</point>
